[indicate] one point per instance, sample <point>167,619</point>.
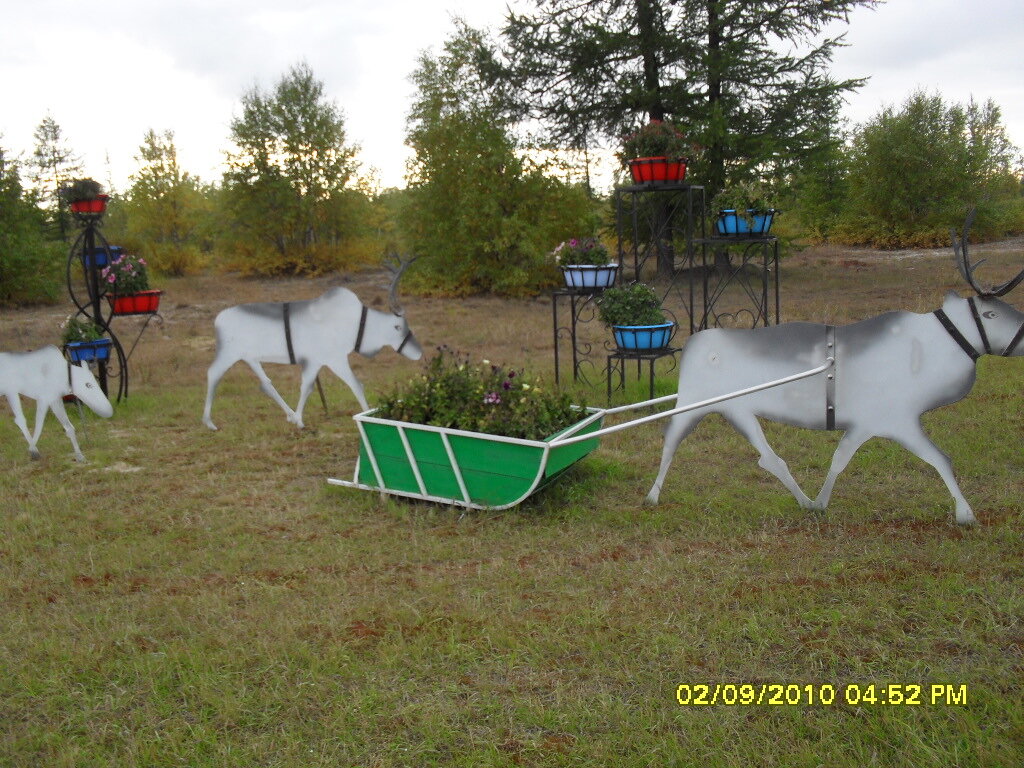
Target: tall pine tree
<point>53,165</point>
<point>748,78</point>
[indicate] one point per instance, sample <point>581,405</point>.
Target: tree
<point>481,212</point>
<point>53,165</point>
<point>165,207</point>
<point>286,186</point>
<point>29,265</point>
<point>595,67</point>
<point>915,170</point>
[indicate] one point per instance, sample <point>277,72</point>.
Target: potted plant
<point>744,210</point>
<point>84,340</point>
<point>471,434</point>
<point>586,264</point>
<point>655,154</point>
<point>85,196</point>
<point>127,280</point>
<point>634,314</point>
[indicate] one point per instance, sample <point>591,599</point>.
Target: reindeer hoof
<point>80,458</point>
<point>967,522</point>
<point>210,424</point>
<point>35,454</point>
<point>651,499</point>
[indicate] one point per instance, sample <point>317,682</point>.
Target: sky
<point>108,72</point>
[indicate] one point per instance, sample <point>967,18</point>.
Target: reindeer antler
<point>963,263</point>
<point>396,265</point>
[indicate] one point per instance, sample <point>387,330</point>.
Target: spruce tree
<point>749,79</point>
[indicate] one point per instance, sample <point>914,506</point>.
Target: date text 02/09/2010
<point>854,695</point>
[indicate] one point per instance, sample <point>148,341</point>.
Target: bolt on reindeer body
<point>46,377</point>
<point>888,371</point>
<point>310,334</point>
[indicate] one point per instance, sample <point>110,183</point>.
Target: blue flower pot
<point>99,255</point>
<point>642,337</point>
<point>84,351</point>
<point>589,277</point>
<point>731,224</point>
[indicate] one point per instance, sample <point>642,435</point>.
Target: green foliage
<point>126,274</point>
<point>51,166</point>
<point>744,196</point>
<point>30,266</point>
<point>482,214</point>
<point>453,392</point>
<point>914,171</point>
<point>634,304</point>
<point>165,208</point>
<point>659,138</point>
<point>80,190</point>
<point>584,250</point>
<point>77,329</point>
<point>287,202</point>
<point>594,68</point>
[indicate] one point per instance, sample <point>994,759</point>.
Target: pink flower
<point>492,398</point>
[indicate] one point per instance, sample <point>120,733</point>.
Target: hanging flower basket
<point>141,303</point>
<point>589,277</point>
<point>732,223</point>
<point>84,351</point>
<point>658,170</point>
<point>640,337</point>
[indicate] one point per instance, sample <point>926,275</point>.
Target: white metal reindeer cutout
<point>310,334</point>
<point>888,371</point>
<point>46,377</point>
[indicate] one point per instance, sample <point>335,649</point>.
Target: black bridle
<point>966,345</point>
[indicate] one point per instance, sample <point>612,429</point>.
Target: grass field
<point>191,598</point>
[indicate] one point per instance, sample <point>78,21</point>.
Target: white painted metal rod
<point>683,408</point>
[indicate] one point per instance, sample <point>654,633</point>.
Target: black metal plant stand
<point>660,222</point>
<point>89,253</point>
<point>742,291</point>
<point>582,309</point>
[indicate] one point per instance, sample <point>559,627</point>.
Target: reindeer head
<point>999,325</point>
<point>404,342</point>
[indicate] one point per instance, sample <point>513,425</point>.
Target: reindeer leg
<point>679,426</point>
<point>214,374</point>
<point>344,372</point>
<point>309,374</point>
<point>267,386</point>
<point>748,426</point>
<point>848,446</point>
<point>41,409</point>
<point>57,406</point>
<point>14,401</point>
<point>913,438</point>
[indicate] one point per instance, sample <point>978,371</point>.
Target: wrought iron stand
<point>89,253</point>
<point>748,287</point>
<point>582,309</point>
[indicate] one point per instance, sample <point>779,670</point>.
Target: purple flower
<point>492,398</point>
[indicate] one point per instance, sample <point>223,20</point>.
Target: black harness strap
<point>362,327</point>
<point>958,337</point>
<point>981,328</point>
<point>1014,342</point>
<point>408,335</point>
<point>288,332</point>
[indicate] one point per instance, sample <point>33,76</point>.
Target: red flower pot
<point>97,205</point>
<point>658,170</point>
<point>141,303</point>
